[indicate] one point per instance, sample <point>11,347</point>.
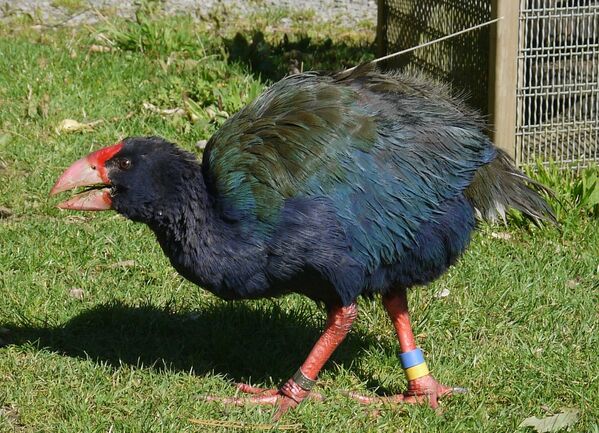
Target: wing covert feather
<point>386,150</point>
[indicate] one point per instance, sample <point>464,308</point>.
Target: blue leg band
<point>411,358</point>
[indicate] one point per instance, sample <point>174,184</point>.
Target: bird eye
<point>125,164</point>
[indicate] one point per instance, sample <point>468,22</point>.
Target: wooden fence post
<point>503,74</point>
<point>381,28</point>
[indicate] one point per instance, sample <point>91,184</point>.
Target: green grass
<point>69,5</point>
<point>137,353</point>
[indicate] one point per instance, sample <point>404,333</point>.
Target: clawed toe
<point>284,398</point>
<point>264,396</point>
<point>425,390</point>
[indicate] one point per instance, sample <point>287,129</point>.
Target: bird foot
<point>285,398</point>
<point>422,390</point>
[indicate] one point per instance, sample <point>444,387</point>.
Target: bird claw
<point>285,398</point>
<point>423,390</point>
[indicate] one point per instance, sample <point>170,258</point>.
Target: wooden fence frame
<point>542,101</point>
<point>503,69</point>
<point>503,74</point>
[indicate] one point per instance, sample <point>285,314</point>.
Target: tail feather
<point>499,186</point>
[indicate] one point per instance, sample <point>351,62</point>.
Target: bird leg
<point>422,386</point>
<point>297,388</point>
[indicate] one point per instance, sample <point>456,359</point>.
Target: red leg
<point>397,308</point>
<point>425,387</point>
<point>422,389</point>
<point>339,322</point>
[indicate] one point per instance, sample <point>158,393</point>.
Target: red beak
<point>88,171</point>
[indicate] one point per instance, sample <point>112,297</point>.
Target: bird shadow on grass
<point>242,342</point>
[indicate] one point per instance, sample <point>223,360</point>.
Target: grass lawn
<point>99,334</point>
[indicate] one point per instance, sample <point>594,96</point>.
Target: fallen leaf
<point>76,293</point>
<point>11,413</point>
<point>213,112</point>
<point>164,111</point>
<point>501,235</point>
<point>99,49</point>
<point>68,126</point>
<point>553,423</point>
<point>442,293</point>
<point>201,144</point>
<point>572,284</point>
<point>101,37</point>
<point>76,218</point>
<point>128,116</point>
<point>122,264</point>
<point>5,212</point>
<point>4,139</point>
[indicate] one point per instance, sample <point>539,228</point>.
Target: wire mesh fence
<point>462,60</point>
<point>557,85</point>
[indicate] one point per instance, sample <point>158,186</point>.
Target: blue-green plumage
<point>388,155</point>
<point>329,185</point>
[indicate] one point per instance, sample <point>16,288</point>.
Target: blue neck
<point>208,250</point>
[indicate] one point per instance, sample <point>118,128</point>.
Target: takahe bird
<point>328,185</point>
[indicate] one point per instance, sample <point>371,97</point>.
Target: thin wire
<point>426,44</point>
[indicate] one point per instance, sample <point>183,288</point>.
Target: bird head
<point>139,177</point>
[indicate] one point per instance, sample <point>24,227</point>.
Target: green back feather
<point>386,150</point>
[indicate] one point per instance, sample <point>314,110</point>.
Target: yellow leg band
<point>417,371</point>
